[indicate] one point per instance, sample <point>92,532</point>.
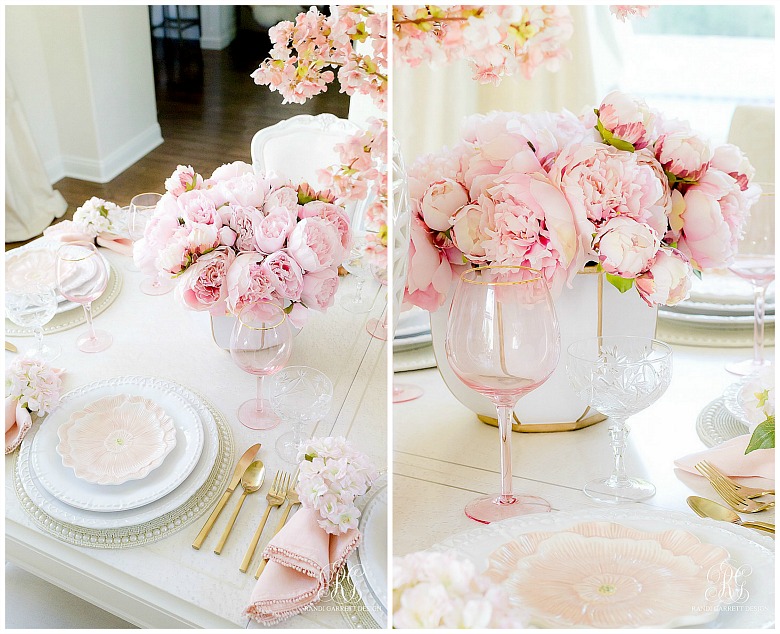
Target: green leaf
<point>620,283</point>
<point>611,139</point>
<point>763,436</point>
<point>762,397</point>
<point>310,457</point>
<point>697,273</point>
<point>289,308</point>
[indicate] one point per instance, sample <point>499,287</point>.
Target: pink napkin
<point>17,423</point>
<point>69,231</point>
<point>729,457</point>
<point>303,560</point>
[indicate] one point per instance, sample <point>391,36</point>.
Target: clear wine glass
<point>300,395</point>
<point>503,341</point>
<point>34,307</point>
<point>82,277</point>
<point>357,263</point>
<point>755,262</point>
<point>619,376</point>
<point>260,344</point>
<point>142,208</point>
<point>377,328</point>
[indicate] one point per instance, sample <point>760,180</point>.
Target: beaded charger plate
<point>715,424</point>
<point>124,535</point>
<point>74,317</point>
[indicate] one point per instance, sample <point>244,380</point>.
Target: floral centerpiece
<point>641,195</point>
<point>238,237</point>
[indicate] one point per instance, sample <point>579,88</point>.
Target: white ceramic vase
<point>577,309</point>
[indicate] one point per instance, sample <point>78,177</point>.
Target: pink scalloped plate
<point>116,439</point>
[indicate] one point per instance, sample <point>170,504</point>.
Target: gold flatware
<point>246,459</point>
<point>707,508</point>
<point>710,471</point>
<point>292,500</point>
<point>251,481</point>
<point>10,347</point>
<point>275,497</point>
<point>734,500</point>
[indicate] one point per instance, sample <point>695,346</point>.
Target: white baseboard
<point>102,171</point>
<point>217,42</point>
<point>54,169</point>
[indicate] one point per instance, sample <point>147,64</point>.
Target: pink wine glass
<point>503,341</point>
<point>377,328</point>
<point>260,344</point>
<point>82,277</point>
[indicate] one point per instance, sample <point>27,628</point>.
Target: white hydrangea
<point>34,383</point>
<point>95,215</point>
<point>757,397</point>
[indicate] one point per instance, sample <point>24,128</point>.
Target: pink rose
<point>17,423</point>
<point>271,231</point>
<point>442,199</point>
<point>315,244</point>
<point>668,281</point>
<point>627,118</point>
<point>626,247</point>
<point>430,272</point>
<point>467,231</point>
<point>242,220</point>
<point>681,151</point>
<point>182,180</point>
<point>319,289</point>
<point>285,275</point>
<point>197,208</point>
<point>248,282</point>
<point>203,285</point>
<point>334,214</point>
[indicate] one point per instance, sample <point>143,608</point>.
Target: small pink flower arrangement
<point>238,238</point>
<point>438,590</point>
<point>332,474</point>
<point>641,196</point>
<point>32,387</point>
<point>626,11</point>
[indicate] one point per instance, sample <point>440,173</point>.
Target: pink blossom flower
<point>248,282</point>
<point>315,244</point>
<point>680,151</point>
<point>182,180</point>
<point>319,289</point>
<point>271,231</point>
<point>202,286</point>
<point>441,201</point>
<point>285,275</point>
<point>668,281</point>
<point>624,11</point>
<point>627,118</point>
<point>626,247</point>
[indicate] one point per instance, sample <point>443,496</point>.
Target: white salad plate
<point>741,594</point>
<point>368,564</point>
<point>180,400</point>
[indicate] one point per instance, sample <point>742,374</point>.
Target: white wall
<point>85,80</point>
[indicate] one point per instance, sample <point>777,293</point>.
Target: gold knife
<point>10,347</point>
<point>246,460</point>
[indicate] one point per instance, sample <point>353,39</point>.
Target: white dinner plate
<point>750,552</point>
<point>62,482</point>
<point>410,343</point>
<point>715,321</point>
<point>368,564</point>
<point>709,308</point>
<point>413,322</point>
<point>63,512</point>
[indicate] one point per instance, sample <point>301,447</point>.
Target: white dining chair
<point>298,147</point>
<point>753,130</point>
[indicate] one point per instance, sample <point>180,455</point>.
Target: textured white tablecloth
<point>168,584</point>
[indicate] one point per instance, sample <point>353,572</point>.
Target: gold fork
<point>276,496</point>
<point>292,500</point>
<point>738,503</point>
<point>711,472</point>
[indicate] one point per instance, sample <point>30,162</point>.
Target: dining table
<point>167,583</point>
<point>443,456</point>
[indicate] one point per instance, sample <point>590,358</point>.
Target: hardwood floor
<point>208,108</point>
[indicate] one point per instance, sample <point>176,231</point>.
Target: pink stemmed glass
<point>503,341</point>
<point>260,344</point>
<point>82,277</point>
<point>378,328</point>
<point>142,208</point>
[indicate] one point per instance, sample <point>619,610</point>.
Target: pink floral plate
<point>116,439</point>
<point>605,575</point>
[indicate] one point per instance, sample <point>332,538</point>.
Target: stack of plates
<point>139,510</point>
<point>413,331</point>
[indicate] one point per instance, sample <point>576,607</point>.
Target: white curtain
<point>30,202</point>
<point>430,103</point>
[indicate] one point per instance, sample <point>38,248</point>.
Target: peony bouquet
<point>332,474</point>
<point>238,238</point>
<point>640,195</point>
<point>438,590</point>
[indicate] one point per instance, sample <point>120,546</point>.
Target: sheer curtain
<point>429,103</point>
<point>30,202</point>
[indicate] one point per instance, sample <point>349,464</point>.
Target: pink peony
<point>197,208</point>
<point>315,244</point>
<point>202,286</point>
<point>247,190</point>
<point>668,281</point>
<point>627,118</point>
<point>334,214</point>
<point>243,220</point>
<point>442,199</point>
<point>468,233</point>
<point>231,170</point>
<point>182,180</point>
<point>626,247</point>
<point>319,289</point>
<point>285,275</point>
<point>248,282</point>
<point>680,151</point>
<point>730,159</point>
<point>271,231</point>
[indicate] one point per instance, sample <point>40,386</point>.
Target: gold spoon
<point>251,481</point>
<point>708,508</point>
